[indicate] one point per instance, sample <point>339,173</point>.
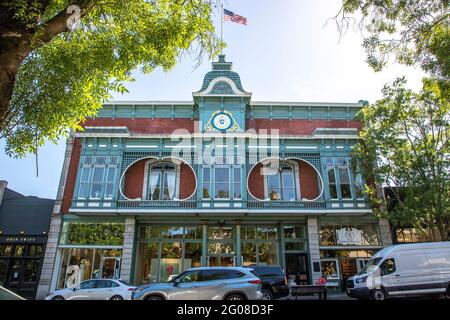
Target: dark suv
<point>274,281</point>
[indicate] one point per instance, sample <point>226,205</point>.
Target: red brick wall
<point>134,180</point>
<point>299,126</point>
<point>145,125</point>
<point>256,182</point>
<point>187,181</point>
<point>309,187</point>
<point>71,176</point>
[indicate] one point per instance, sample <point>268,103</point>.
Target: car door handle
<point>397,275</point>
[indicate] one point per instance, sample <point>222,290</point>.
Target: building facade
<point>149,189</point>
<point>24,226</point>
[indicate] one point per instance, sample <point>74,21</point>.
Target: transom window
<point>281,185</point>
<point>162,181</point>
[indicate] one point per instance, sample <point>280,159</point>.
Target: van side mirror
<point>176,282</point>
<point>74,289</point>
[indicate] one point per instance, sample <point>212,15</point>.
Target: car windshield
<point>370,265</point>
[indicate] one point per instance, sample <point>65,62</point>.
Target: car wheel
<point>116,298</point>
<point>235,296</point>
<point>266,295</point>
<point>154,298</point>
<point>58,298</point>
<point>378,294</point>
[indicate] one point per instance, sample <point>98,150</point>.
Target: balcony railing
<point>250,203</point>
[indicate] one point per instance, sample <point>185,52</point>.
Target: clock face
<point>222,121</point>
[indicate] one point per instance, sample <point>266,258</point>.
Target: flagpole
<point>221,27</point>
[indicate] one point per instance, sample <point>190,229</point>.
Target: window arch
<point>162,181</point>
<point>282,184</point>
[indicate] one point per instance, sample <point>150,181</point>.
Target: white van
<point>404,269</point>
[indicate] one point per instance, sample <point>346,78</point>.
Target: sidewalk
<point>331,296</point>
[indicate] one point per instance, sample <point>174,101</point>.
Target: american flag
<point>231,16</point>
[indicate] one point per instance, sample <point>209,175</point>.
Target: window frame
<point>229,181</point>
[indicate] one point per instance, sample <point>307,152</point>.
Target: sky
<point>287,52</point>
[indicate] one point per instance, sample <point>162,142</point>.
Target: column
<point>128,246</point>
<point>238,244</point>
<point>46,283</point>
<point>204,243</point>
<point>314,252</point>
<point>385,232</point>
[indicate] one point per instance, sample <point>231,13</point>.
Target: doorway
<point>110,267</point>
<point>297,267</point>
<point>348,269</point>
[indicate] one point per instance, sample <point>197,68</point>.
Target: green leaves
<point>63,82</point>
<point>406,147</point>
<point>414,33</point>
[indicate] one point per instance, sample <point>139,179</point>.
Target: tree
<point>54,76</point>
<point>406,135</point>
<point>415,32</point>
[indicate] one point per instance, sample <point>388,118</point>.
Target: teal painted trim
<point>75,218</point>
<point>133,268</point>
<point>371,218</point>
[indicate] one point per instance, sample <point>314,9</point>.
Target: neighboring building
<point>24,226</point>
<point>134,202</point>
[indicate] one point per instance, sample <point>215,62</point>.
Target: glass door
<point>297,267</point>
<point>110,267</point>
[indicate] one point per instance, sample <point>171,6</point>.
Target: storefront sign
<point>22,239</point>
<point>349,236</point>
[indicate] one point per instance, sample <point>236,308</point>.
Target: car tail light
<point>256,281</point>
<point>130,289</point>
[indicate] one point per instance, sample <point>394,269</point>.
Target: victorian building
<point>149,189</point>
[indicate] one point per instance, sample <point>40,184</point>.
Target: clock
<point>222,121</point>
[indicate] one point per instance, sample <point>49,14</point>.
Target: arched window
<point>161,182</point>
<point>281,185</point>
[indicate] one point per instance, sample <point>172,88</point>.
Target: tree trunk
<point>13,50</point>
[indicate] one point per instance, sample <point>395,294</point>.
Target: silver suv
<point>208,283</point>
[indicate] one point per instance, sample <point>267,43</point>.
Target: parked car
<point>6,294</point>
<point>207,283</point>
<point>95,289</point>
<point>404,270</point>
<point>274,281</point>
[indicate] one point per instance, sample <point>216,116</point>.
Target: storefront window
<point>35,251</point>
<point>19,251</point>
<point>5,250</point>
<point>330,269</point>
<point>3,270</point>
<point>148,268</point>
<point>249,253</point>
<point>295,232</point>
<point>31,269</point>
<point>348,235</point>
<point>192,255</point>
<point>80,264</point>
<point>78,233</point>
<point>259,245</point>
<point>170,263</point>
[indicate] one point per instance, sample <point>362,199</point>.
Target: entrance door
<point>110,268</point>
<point>221,261</point>
<point>348,269</point>
<point>297,267</point>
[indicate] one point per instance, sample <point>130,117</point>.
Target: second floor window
<point>162,182</point>
<point>281,185</point>
<point>97,177</point>
<point>222,182</point>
